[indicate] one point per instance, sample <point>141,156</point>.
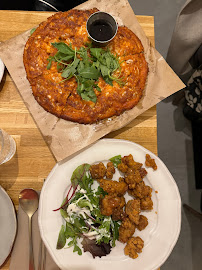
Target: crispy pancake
<point>59,96</point>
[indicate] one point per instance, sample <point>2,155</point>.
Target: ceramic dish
<point>8,225</point>
<point>159,236</point>
<point>1,69</point>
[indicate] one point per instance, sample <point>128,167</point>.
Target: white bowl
<point>1,69</point>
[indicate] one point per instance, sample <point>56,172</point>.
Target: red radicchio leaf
<point>67,199</point>
<point>95,249</point>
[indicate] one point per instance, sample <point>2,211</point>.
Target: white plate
<point>8,225</point>
<point>159,236</point>
<point>1,69</point>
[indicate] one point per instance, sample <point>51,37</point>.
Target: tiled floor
<point>174,139</point>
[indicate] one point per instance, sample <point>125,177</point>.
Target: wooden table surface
<point>33,160</point>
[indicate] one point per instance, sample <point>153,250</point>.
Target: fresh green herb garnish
<point>100,191</point>
<point>32,31</point>
<point>116,160</point>
<point>80,176</point>
<point>61,238</point>
<point>115,232</point>
<point>86,64</point>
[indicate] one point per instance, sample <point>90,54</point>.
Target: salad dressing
<point>74,208</point>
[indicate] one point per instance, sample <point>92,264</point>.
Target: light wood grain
<point>33,160</point>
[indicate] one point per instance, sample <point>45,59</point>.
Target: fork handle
<point>42,256</point>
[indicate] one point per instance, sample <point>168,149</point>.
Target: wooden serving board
<point>33,160</point>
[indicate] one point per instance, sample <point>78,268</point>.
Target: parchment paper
<point>64,137</point>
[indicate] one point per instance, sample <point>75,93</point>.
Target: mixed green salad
<point>84,225</point>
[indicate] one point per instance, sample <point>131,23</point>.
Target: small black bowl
<point>101,28</point>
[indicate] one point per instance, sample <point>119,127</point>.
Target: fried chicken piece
<point>141,190</point>
<point>137,176</point>
<point>129,161</point>
<point>113,187</point>
<point>126,230</point>
<point>143,172</point>
<point>118,214</point>
<point>109,203</point>
<point>143,222</point>
<point>121,179</point>
<point>98,170</point>
<point>133,247</point>
<point>110,170</point>
<point>122,167</point>
<point>146,203</point>
<point>150,162</point>
<point>132,177</point>
<point>133,210</point>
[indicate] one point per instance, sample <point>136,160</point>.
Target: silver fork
<point>42,253</point>
<point>42,256</point>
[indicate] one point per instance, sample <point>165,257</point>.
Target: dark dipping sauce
<point>101,30</point>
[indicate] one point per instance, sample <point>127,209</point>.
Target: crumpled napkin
<point>20,252</point>
<point>186,39</point>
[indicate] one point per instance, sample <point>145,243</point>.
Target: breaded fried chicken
<point>110,170</point>
<point>133,210</point>
<point>126,230</point>
<point>140,191</point>
<point>133,247</point>
<point>113,187</point>
<point>98,170</point>
<point>109,203</point>
<point>146,203</point>
<point>143,222</point>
